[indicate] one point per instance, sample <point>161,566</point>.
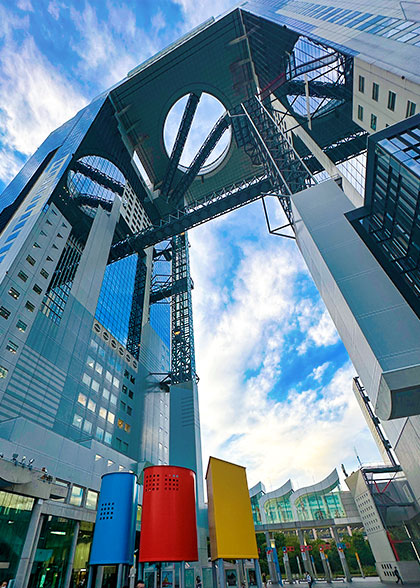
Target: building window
<point>77,421</point>
<point>29,306</point>
<point>116,382</point>
<point>100,433</point>
<point>105,393</point>
<point>361,84</point>
<point>4,312</point>
<point>95,386</point>
<point>123,405</point>
<point>91,405</point>
<point>12,347</point>
<point>120,424</point>
<point>22,276</point>
<point>90,362</point>
<point>87,426</point>
<point>113,399</point>
<point>86,379</point>
<point>98,368</point>
<point>108,438</point>
<point>21,326</point>
<point>130,394</point>
<point>375,92</point>
<point>360,112</point>
<point>411,108</point>
<point>373,121</point>
<point>91,500</point>
<point>108,376</point>
<point>76,496</point>
<point>30,260</point>
<point>14,293</point>
<point>3,372</point>
<point>82,399</point>
<point>44,273</point>
<point>129,410</point>
<point>127,428</point>
<point>124,389</point>
<point>102,413</point>
<point>391,100</point>
<point>111,417</point>
<point>37,289</point>
<point>36,246</point>
<point>98,457</point>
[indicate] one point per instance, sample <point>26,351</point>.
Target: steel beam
<point>98,177</point>
<point>180,141</point>
<point>195,214</point>
<point>199,160</point>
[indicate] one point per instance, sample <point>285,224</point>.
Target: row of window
<point>20,222</point>
<point>392,97</point>
<point>79,496</point>
<point>85,425</point>
<point>363,21</point>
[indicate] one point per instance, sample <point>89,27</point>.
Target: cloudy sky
<point>275,380</point>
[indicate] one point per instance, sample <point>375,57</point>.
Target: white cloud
<point>320,370</point>
<point>110,48</point>
<point>25,5</point>
<point>316,323</point>
<point>54,9</point>
<point>324,332</point>
<point>197,11</point>
<point>244,312</point>
<point>35,97</point>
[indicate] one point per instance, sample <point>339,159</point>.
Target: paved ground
<point>357,583</point>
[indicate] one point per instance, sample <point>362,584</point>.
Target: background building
<point>95,372</point>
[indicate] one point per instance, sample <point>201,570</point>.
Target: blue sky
<point>275,380</point>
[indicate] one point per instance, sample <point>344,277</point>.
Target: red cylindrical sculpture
<point>168,520</point>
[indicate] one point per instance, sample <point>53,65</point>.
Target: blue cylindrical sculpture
<point>115,527</point>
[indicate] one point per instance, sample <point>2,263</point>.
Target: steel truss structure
<point>282,166</point>
<point>182,335</point>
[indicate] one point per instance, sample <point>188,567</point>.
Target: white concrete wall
<point>404,89</point>
<point>379,329</point>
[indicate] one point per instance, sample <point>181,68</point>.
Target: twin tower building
<point>97,366</point>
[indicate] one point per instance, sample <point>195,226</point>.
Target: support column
<point>270,560</point>
<point>287,567</point>
<point>325,567</point>
<point>258,573</point>
<point>182,574</point>
<point>99,576</point>
<point>221,573</point>
<point>214,574</point>
<point>305,554</point>
<point>73,546</point>
<point>29,547</point>
<point>343,560</point>
<point>120,575</point>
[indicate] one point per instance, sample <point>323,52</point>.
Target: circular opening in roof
<point>206,115</point>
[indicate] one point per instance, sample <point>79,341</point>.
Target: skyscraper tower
<point>97,371</point>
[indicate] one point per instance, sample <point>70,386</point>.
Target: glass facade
<point>160,312</point>
<point>15,513</point>
<point>51,556</point>
<point>115,300</point>
<point>390,221</point>
<point>279,510</point>
<point>294,506</point>
<point>319,506</point>
<point>403,31</point>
